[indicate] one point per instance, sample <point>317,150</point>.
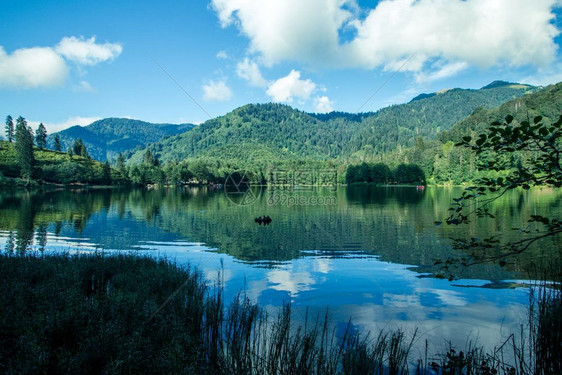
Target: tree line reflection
<point>395,224</point>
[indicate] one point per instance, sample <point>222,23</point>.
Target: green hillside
<point>53,167</point>
<point>279,132</point>
<point>400,125</point>
<point>416,138</point>
<point>444,163</point>
<point>266,128</point>
<point>546,103</point>
<point>106,138</point>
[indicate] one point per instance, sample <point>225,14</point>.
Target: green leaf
<point>481,139</point>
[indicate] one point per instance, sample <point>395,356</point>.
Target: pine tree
<point>80,149</point>
<point>77,147</point>
<point>148,159</point>
<point>41,136</point>
<point>24,148</point>
<point>121,165</point>
<point>106,173</point>
<point>58,145</point>
<point>10,128</point>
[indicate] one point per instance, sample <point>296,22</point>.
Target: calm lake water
<point>364,252</point>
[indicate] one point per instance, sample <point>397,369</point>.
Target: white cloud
<point>56,127</point>
<point>545,77</point>
<point>32,68</point>
<point>222,55</point>
<point>323,104</point>
<point>479,33</point>
<point>289,281</point>
<point>250,71</point>
<point>212,275</point>
<point>286,29</point>
<point>84,86</point>
<point>441,72</point>
<point>37,67</point>
<point>216,91</point>
<point>323,265</point>
<point>87,51</point>
<point>291,86</point>
<point>447,297</point>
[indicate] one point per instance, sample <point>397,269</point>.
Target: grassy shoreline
<point>127,314</point>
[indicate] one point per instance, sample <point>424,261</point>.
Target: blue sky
<point>71,62</point>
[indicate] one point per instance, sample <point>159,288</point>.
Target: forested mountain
<point>105,139</point>
<point>546,103</point>
<point>401,125</point>
<point>49,166</point>
<point>264,130</point>
<point>444,163</point>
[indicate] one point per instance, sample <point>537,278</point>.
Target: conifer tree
<point>58,145</point>
<point>41,136</point>
<point>80,149</point>
<point>24,148</point>
<point>10,128</point>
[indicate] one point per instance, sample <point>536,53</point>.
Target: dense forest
<point>289,133</point>
<point>25,159</point>
<point>106,138</point>
<point>272,136</point>
<point>49,166</point>
<point>413,143</point>
<point>442,162</point>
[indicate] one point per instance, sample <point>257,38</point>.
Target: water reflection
<point>396,224</point>
<point>366,195</point>
<point>368,256</point>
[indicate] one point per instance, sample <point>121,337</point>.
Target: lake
<point>363,252</point>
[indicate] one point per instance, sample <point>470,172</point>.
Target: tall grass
<point>543,354</point>
<point>535,350</point>
<point>124,314</point>
<point>248,341</point>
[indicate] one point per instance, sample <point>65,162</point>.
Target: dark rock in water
<point>265,220</point>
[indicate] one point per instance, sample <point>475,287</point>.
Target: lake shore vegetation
<point>121,314</point>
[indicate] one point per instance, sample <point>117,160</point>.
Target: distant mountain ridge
<point>423,96</point>
<point>495,84</point>
<point>287,133</point>
<point>546,103</point>
<point>105,139</point>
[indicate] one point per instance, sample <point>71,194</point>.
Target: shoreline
<point>89,287</point>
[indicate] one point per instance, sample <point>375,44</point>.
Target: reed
<point>127,314</point>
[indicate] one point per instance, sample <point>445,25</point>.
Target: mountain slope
<point>106,138</point>
<point>445,164</point>
<point>427,117</point>
<point>256,128</point>
<point>546,103</point>
<point>288,133</point>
